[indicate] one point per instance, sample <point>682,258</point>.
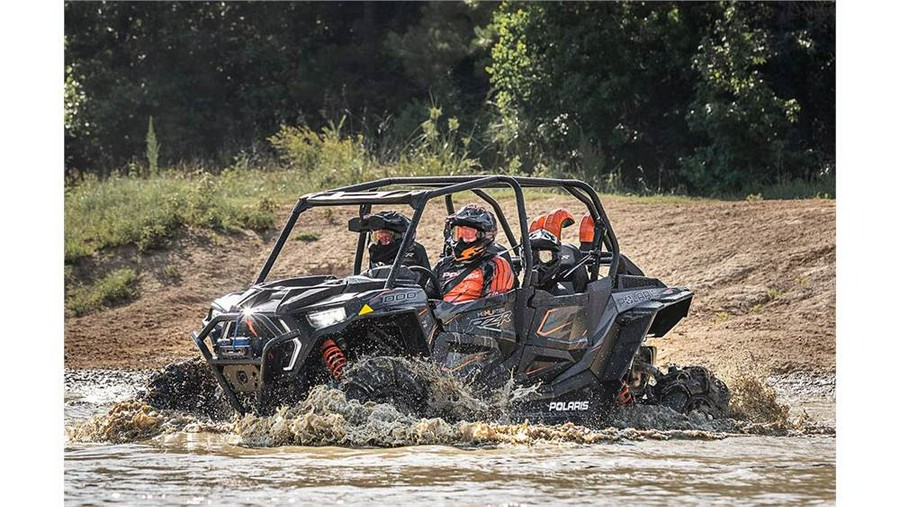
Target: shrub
<point>146,213</point>
<point>307,236</point>
<point>329,158</point>
<point>116,287</point>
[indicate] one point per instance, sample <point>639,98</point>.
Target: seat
<point>577,278</point>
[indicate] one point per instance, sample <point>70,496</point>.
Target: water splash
<point>183,400</point>
<point>134,421</point>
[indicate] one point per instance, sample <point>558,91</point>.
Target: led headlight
<point>327,317</point>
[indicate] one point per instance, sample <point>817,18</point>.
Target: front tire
<point>387,380</point>
<point>187,386</point>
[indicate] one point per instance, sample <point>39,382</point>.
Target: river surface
<point>215,468</point>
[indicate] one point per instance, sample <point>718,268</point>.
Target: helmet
<point>537,223</point>
<point>545,248</point>
<point>471,231</point>
<point>544,235</point>
<point>386,240</point>
<point>395,225</point>
<point>586,232</point>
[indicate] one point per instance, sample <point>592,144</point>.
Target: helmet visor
<point>463,232</point>
<point>383,237</point>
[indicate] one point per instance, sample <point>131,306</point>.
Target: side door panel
<point>476,337</point>
<point>563,329</point>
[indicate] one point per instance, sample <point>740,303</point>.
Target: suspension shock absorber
<point>334,358</point>
<point>625,397</point>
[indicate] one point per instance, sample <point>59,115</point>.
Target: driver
<point>386,243</point>
<point>472,270</point>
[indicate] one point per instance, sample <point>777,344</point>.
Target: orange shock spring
<point>334,358</point>
<point>625,397</point>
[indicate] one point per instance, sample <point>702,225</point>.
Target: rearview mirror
<point>366,224</point>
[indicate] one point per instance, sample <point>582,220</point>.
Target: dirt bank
<point>763,273</point>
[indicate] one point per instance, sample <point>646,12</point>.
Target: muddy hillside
<point>763,273</point>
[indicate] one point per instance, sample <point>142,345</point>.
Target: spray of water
<point>184,400</point>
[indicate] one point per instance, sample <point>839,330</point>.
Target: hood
<point>290,295</point>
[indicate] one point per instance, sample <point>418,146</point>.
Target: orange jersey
<point>494,276</point>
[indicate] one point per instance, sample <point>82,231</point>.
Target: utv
<point>582,351</point>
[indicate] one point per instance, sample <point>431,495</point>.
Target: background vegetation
<point>183,115</point>
<point>704,98</point>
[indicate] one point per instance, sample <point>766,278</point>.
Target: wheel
<point>188,386</point>
<point>386,380</point>
<point>692,388</point>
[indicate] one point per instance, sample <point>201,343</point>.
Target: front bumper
<point>249,372</point>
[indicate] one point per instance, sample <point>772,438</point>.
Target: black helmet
<point>393,221</point>
<point>384,252</point>
<point>545,248</point>
<point>470,232</point>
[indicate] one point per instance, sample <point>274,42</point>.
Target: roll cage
<point>424,189</point>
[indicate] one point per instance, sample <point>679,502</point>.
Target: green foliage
<point>736,109</point>
<point>307,236</point>
<point>298,147</point>
<point>147,213</point>
<point>117,287</point>
<point>443,39</point>
<point>221,76</point>
<point>699,97</point>
<point>691,97</point>
<point>328,158</point>
<point>74,99</point>
<point>152,149</point>
<point>439,149</point>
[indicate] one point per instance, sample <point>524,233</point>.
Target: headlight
<point>327,318</point>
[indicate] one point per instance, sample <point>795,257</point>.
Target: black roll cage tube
<point>362,195</point>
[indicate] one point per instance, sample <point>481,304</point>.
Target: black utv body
<point>585,351</point>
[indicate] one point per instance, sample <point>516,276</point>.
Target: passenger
<point>472,270</point>
<point>554,263</point>
<point>545,258</point>
<point>386,243</point>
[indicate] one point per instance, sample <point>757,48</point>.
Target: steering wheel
<point>429,274</point>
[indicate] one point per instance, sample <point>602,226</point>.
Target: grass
<point>145,213</point>
<point>117,287</point>
<point>307,236</point>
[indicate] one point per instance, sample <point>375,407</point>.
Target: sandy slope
<point>763,273</point>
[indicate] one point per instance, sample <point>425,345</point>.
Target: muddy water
<point>195,462</point>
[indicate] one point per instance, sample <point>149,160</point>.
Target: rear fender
<point>668,304</point>
<point>646,312</point>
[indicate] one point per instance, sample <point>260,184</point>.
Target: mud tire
<point>693,388</point>
<point>387,380</point>
<point>187,386</point>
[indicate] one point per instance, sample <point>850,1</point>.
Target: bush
<point>146,213</point>
<point>307,236</point>
<point>117,287</point>
<point>328,158</point>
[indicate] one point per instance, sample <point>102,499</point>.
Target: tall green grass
<point>144,213</point>
<point>116,287</point>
